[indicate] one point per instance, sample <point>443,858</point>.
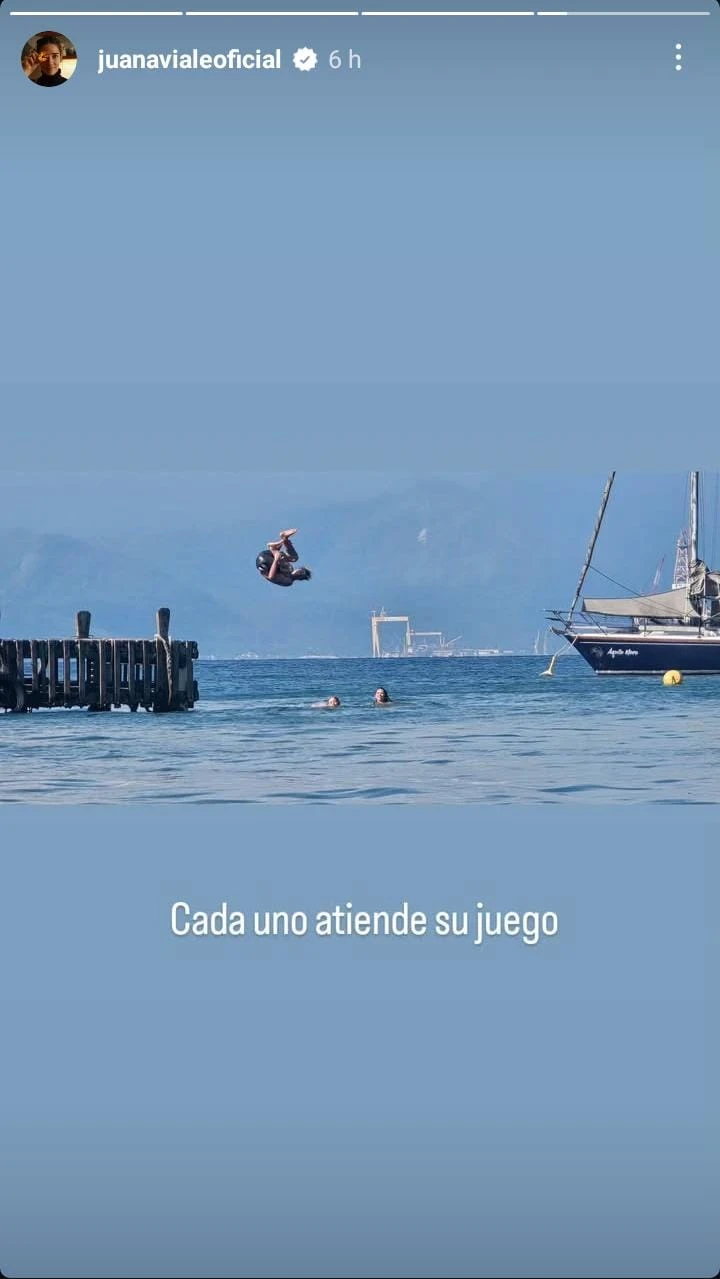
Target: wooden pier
<point>99,674</point>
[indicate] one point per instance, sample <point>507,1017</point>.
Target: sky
<point>646,511</point>
<point>485,204</point>
<point>101,503</point>
<point>482,555</point>
<point>530,200</point>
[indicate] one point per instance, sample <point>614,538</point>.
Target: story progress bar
<point>359,13</point>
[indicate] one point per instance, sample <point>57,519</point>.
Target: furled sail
<point>703,582</point>
<point>667,604</point>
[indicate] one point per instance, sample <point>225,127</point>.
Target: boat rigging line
<point>586,566</point>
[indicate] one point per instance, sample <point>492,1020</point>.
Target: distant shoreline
<point>367,657</point>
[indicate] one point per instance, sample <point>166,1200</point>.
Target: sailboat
<point>649,634</point>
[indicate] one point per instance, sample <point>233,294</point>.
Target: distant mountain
<point>483,564</point>
<point>44,580</point>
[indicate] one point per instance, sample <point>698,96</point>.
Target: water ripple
<point>466,731</point>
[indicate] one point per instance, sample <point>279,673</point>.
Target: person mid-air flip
<point>276,563</point>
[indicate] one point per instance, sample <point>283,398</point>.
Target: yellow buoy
<point>672,677</point>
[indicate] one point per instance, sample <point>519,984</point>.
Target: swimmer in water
<point>381,697</point>
<point>275,563</point>
<point>331,704</point>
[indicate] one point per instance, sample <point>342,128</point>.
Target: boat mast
<point>591,548</point>
<point>694,488</point>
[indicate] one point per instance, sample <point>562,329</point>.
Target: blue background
<point>488,200</point>
<point>406,1107</point>
<point>495,243</point>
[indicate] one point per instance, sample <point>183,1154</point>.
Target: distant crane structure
<point>655,583</point>
<point>681,576</point>
<point>382,618</point>
<point>432,643</point>
<point>658,574</point>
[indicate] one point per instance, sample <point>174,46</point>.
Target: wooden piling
<point>116,671</point>
<point>102,675</point>
<point>132,695</point>
<point>83,646</point>
<point>67,683</point>
<point>99,674</point>
<point>52,660</point>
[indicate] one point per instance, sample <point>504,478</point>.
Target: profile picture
<point>49,59</point>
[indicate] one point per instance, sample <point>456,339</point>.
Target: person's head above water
<point>333,702</point>
<point>381,697</point>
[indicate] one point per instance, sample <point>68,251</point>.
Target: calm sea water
<point>460,730</point>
